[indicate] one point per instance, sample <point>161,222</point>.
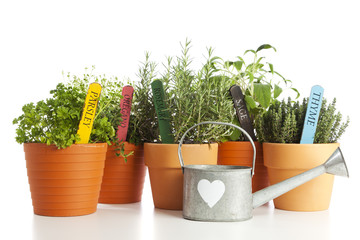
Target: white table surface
<point>142,221</point>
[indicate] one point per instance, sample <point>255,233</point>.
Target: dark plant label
<point>125,108</point>
<point>162,112</point>
<point>88,113</point>
<point>312,115</point>
<point>241,110</point>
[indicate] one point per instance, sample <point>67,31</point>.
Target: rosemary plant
<point>142,126</point>
<point>193,96</point>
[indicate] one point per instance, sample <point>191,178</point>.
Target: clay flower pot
<point>286,160</point>
<point>166,177</point>
<point>238,153</point>
<point>65,182</point>
<point>123,182</point>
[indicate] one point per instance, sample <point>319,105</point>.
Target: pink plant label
<point>125,106</point>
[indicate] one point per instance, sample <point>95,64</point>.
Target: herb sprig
<point>283,123</point>
<point>56,119</point>
<point>193,96</point>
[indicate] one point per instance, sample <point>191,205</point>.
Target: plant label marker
<point>312,115</point>
<point>88,113</point>
<point>125,106</point>
<point>162,111</point>
<point>241,110</point>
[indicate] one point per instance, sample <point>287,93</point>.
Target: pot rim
<point>53,145</point>
<point>73,149</point>
<point>297,156</point>
<point>177,144</point>
<point>217,168</point>
<point>299,144</point>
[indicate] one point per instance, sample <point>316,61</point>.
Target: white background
<point>317,43</point>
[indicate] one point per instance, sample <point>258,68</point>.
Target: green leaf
<point>251,76</point>
<point>258,62</point>
<point>250,50</point>
<point>236,132</point>
<point>295,90</point>
<point>265,46</point>
<point>262,94</point>
<point>228,64</point>
<point>280,75</point>
<point>250,102</point>
<point>238,65</point>
<point>277,91</point>
<point>271,68</point>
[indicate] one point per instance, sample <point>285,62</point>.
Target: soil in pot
<point>123,182</point>
<point>287,160</point>
<point>166,177</point>
<point>238,153</point>
<point>65,182</point>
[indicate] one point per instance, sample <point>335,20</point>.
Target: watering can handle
<point>218,123</point>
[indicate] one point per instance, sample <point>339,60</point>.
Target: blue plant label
<point>312,115</point>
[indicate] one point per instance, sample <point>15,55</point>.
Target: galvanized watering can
<point>224,193</point>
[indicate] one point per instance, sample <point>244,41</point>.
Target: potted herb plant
<point>191,96</point>
<point>64,177</point>
<point>260,85</point>
<point>124,171</point>
<point>280,130</point>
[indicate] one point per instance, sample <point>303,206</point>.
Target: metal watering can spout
<point>224,193</point>
<point>334,165</point>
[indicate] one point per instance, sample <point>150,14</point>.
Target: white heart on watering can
<point>211,193</point>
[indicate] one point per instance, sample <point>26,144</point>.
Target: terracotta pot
<point>123,182</point>
<point>286,160</point>
<point>241,154</point>
<point>165,172</point>
<point>65,182</point>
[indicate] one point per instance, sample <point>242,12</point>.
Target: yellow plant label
<point>88,113</point>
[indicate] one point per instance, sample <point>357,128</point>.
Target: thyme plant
<point>284,121</point>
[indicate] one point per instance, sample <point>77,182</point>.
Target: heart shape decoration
<point>211,193</point>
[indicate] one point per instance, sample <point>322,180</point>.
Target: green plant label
<point>242,111</point>
<point>125,108</point>
<point>312,115</point>
<point>162,112</point>
<point>88,113</point>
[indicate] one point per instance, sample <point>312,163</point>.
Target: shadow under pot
<point>287,160</point>
<point>65,182</point>
<point>123,182</point>
<point>166,177</point>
